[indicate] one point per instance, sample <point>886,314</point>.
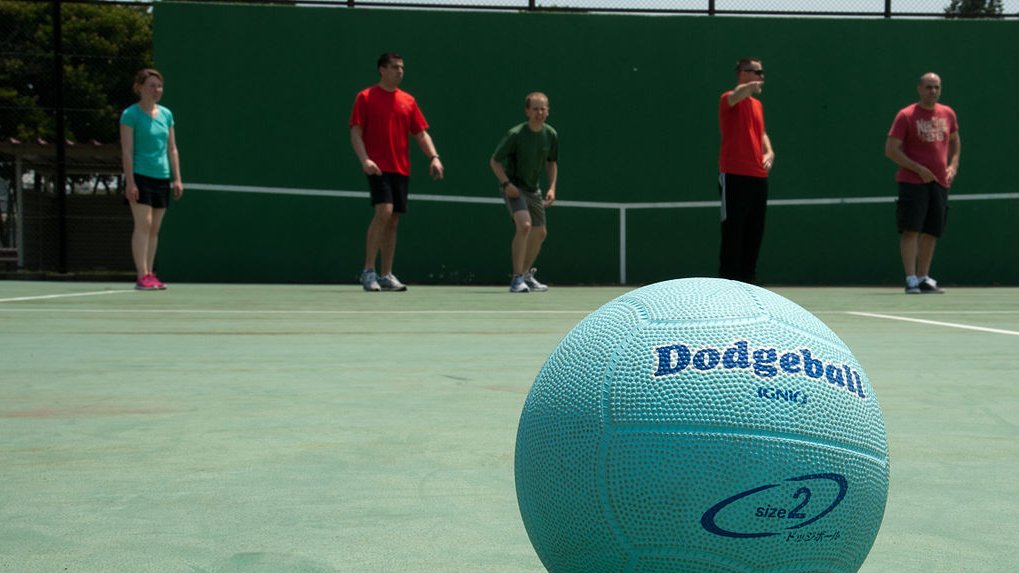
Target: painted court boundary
<point>935,323</point>
<point>621,207</point>
<point>156,310</point>
<point>418,312</point>
<point>411,312</point>
<point>65,295</point>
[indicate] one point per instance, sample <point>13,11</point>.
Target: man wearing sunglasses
<point>745,160</point>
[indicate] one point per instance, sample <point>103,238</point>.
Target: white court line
<point>330,312</point>
<point>944,312</point>
<point>936,323</point>
<point>66,295</point>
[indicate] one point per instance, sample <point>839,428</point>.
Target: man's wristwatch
<point>504,184</point>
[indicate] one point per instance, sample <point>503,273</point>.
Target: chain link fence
<point>67,65</point>
<point>853,8</point>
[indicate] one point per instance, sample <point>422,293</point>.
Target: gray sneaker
<point>370,281</point>
<point>519,285</point>
<point>532,283</point>
<point>391,283</point>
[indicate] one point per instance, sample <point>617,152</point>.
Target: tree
<point>975,9</point>
<point>103,46</point>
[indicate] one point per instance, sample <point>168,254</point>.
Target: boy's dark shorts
<point>922,207</point>
<point>152,191</point>
<point>390,188</point>
<point>530,201</point>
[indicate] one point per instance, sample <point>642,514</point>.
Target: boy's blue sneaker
<point>370,281</point>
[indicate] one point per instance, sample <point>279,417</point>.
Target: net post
<point>622,245</point>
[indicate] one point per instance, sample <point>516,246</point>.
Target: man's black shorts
<point>152,191</point>
<point>390,188</point>
<point>922,207</point>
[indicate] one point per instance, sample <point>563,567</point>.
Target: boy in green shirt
<point>524,153</point>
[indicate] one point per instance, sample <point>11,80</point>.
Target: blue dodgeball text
<point>763,362</point>
<point>806,510</point>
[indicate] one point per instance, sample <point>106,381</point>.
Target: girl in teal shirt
<point>151,170</point>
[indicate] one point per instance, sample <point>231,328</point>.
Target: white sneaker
<point>519,285</point>
<point>532,283</point>
<point>391,283</point>
<point>370,281</point>
<point>930,286</point>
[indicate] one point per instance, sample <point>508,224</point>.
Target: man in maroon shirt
<point>382,118</point>
<point>924,142</point>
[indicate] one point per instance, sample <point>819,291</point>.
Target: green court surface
<point>285,429</point>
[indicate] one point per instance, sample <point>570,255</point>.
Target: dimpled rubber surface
<point>630,462</point>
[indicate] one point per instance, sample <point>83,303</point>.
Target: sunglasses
<point>755,72</point>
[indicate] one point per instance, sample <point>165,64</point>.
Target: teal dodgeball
<point>701,426</point>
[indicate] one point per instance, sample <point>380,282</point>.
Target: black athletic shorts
<point>152,191</point>
<point>390,188</point>
<point>922,207</point>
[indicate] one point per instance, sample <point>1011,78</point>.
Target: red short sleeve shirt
<point>387,118</point>
<point>924,134</point>
<point>742,127</point>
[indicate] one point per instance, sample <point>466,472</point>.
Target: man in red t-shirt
<point>924,142</point>
<point>382,118</point>
<point>745,159</point>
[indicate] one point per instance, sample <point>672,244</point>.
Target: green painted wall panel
<point>262,95</point>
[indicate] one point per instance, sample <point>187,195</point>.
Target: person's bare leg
<point>388,245</point>
<point>925,254</point>
<point>518,250</point>
<point>142,215</point>
<point>908,249</point>
<point>376,233</point>
<point>534,241</point>
<point>157,223</point>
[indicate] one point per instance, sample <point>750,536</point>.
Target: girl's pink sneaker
<point>145,283</point>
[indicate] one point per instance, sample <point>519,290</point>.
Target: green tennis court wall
<point>262,95</point>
